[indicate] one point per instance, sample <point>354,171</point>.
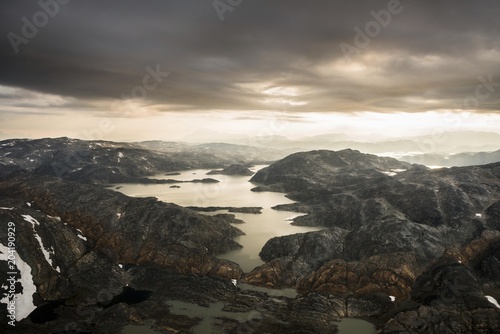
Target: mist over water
<point>232,191</point>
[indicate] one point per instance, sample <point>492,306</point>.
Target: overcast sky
<point>193,66</point>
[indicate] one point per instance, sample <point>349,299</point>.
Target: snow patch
<point>393,172</point>
<point>493,301</point>
<point>56,218</point>
<point>479,215</point>
<point>28,204</point>
<point>3,208</point>
<point>46,253</point>
<point>24,300</point>
<point>118,214</point>
<point>392,298</point>
<point>120,265</point>
<point>235,282</point>
<point>80,235</point>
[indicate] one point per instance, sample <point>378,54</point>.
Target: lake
<point>232,191</point>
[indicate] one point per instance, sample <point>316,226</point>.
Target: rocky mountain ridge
<point>410,249</point>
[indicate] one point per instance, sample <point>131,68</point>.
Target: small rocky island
<point>234,170</point>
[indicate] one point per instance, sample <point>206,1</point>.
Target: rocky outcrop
<point>234,170</point>
<point>450,300</point>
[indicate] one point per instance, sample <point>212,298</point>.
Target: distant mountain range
<point>442,143</point>
<point>445,142</point>
<point>113,162</point>
<point>459,159</point>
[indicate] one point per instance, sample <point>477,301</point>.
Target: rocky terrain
<point>96,260</point>
<point>391,227</point>
<point>79,239</point>
<point>411,250</point>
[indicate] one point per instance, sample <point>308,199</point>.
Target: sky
<point>192,69</point>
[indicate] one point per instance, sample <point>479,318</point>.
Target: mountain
<point>392,228</point>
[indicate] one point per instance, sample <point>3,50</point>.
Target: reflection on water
<point>230,191</point>
<point>209,315</point>
<point>215,310</point>
<point>138,329</point>
<point>355,326</point>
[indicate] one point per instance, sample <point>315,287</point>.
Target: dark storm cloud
<point>429,56</point>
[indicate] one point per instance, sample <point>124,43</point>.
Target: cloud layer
<point>264,55</point>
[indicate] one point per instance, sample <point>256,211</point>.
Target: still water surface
<point>230,191</point>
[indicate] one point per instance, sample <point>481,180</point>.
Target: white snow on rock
<point>393,172</point>
<point>392,298</point>
<point>28,204</point>
<point>55,217</point>
<point>120,265</point>
<point>120,156</point>
<point>493,301</point>
<point>235,282</point>
<point>3,208</point>
<point>479,215</point>
<point>46,253</point>
<point>24,300</point>
<point>80,234</point>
